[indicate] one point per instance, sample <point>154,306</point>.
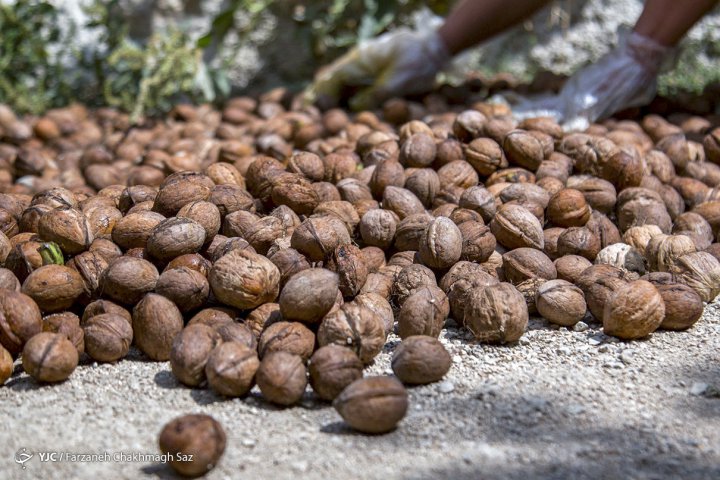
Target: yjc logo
<point>22,456</point>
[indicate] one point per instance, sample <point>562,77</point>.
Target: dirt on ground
<point>559,404</point>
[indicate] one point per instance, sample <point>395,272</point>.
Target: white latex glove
<point>400,62</point>
<point>625,77</point>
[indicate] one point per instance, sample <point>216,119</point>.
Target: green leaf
<point>205,83</point>
<point>205,40</point>
<point>223,83</point>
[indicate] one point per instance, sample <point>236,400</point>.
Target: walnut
<point>633,312</point>
<point>496,313</point>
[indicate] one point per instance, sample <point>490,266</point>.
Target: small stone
<point>698,388</point>
<point>301,466</point>
<point>613,364</point>
<point>580,327</point>
<point>456,359</point>
<point>524,341</point>
<point>594,341</point>
<point>712,392</point>
<point>249,442</point>
<point>446,387</point>
<point>575,409</point>
<point>627,356</point>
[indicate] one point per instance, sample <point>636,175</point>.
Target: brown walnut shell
<point>423,312</point>
<point>244,279</point>
<point>20,320</point>
<point>231,368</point>
<point>54,287</point>
<point>296,304</point>
<point>332,368</point>
<point>190,351</point>
<point>496,313</point>
<point>156,321</point>
<point>420,360</point>
<point>561,302</point>
<point>284,336</point>
<point>514,227</point>
<point>525,263</point>
<point>373,404</point>
<point>49,357</point>
<point>282,378</point>
<point>195,442</point>
<point>633,312</point>
<point>356,327</point>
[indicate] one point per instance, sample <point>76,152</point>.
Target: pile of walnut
<point>269,244</point>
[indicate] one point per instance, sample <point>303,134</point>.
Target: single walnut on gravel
<point>373,404</point>
<point>196,443</point>
<point>332,368</point>
<point>634,312</point>
<point>683,305</point>
<point>423,312</point>
<point>560,302</point>
<point>420,359</point>
<point>49,357</point>
<point>282,378</point>
<point>496,313</point>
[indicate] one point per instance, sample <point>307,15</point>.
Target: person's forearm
<point>667,21</point>
<point>473,21</point>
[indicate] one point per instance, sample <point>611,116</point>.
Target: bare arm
<point>667,21</point>
<point>473,21</point>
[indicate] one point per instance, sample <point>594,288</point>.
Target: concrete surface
<point>560,404</point>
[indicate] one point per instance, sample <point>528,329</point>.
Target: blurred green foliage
<point>31,80</point>
<point>696,69</point>
<point>41,68</point>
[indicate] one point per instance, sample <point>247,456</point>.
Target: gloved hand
<point>400,62</point>
<point>625,77</point>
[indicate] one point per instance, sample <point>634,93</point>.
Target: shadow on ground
<point>507,431</point>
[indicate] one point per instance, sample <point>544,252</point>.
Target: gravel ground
<point>560,404</point>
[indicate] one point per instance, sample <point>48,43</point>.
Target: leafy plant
<point>141,78</point>
<point>30,74</point>
<point>151,78</point>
